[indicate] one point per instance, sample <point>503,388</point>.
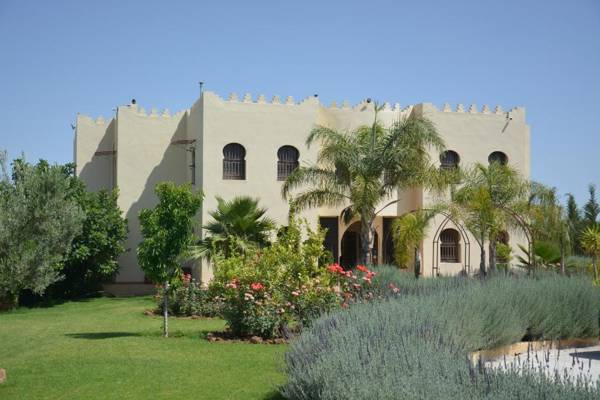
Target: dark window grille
<point>450,246</point>
<point>234,162</point>
<point>449,159</point>
<point>498,157</point>
<point>287,161</point>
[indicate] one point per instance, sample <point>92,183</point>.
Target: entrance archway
<point>350,247</point>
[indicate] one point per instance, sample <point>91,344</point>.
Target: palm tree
<point>408,232</point>
<point>590,243</point>
<point>548,221</point>
<point>366,167</point>
<point>487,204</point>
<point>238,225</point>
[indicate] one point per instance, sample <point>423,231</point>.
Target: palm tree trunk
<point>417,263</point>
<point>366,241</point>
<point>482,261</point>
<point>492,255</point>
<point>595,267</point>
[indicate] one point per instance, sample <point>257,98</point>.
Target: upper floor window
<point>287,161</point>
<point>234,161</point>
<point>449,159</point>
<point>498,157</point>
<point>449,246</point>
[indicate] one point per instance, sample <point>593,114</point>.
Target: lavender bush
<point>415,345</point>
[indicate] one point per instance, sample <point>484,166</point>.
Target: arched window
<point>234,161</point>
<point>287,161</point>
<point>449,159</point>
<point>498,157</point>
<point>450,246</point>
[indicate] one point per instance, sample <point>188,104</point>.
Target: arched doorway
<point>350,247</point>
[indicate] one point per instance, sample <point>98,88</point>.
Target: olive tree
<point>38,220</point>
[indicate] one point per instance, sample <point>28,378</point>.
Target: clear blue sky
<point>58,58</point>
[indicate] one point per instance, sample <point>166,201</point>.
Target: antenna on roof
<point>201,84</point>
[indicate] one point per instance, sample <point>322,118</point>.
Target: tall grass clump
<point>416,345</point>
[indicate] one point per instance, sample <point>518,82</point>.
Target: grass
<point>107,349</point>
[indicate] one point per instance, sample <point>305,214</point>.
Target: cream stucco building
<point>245,146</point>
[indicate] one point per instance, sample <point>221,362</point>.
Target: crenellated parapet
<point>154,112</point>
<point>99,120</point>
<point>261,99</point>
<point>474,109</point>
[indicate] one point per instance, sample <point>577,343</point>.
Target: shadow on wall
<point>99,173</point>
<point>173,167</point>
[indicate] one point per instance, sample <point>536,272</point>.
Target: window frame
<point>234,162</point>
<point>286,166</point>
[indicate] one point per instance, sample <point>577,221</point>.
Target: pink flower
<point>231,285</point>
<point>335,269</point>
<point>295,293</point>
<point>256,286</point>
<point>362,268</point>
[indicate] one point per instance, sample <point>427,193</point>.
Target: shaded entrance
<point>350,247</point>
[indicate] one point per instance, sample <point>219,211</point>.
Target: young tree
<point>238,225</point>
<point>574,222</point>
<point>548,222</point>
<point>487,204</point>
<point>38,220</point>
<point>590,242</point>
<point>168,231</point>
<point>591,209</point>
<point>94,252</point>
<point>362,169</point>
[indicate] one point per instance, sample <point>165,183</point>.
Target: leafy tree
<point>487,204</point>
<point>38,220</point>
<point>238,225</point>
<point>365,168</point>
<point>591,209</point>
<point>574,221</point>
<point>547,221</point>
<point>168,231</point>
<point>590,242</point>
<point>408,231</point>
<point>94,252</point>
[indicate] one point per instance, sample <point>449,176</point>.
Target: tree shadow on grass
<point>274,395</point>
<point>101,335</point>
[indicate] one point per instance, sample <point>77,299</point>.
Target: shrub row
<point>415,346</point>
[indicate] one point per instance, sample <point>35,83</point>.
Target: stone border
<point>515,349</point>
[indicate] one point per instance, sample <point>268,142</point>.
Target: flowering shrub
<point>265,291</point>
<point>190,299</point>
<point>252,309</point>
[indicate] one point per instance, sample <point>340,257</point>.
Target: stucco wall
<point>474,134</point>
<point>93,155</point>
<point>145,158</point>
<point>153,147</point>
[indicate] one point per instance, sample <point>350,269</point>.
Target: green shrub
<point>295,285</point>
<point>188,299</point>
<point>415,345</point>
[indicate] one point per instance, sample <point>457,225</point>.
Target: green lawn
<point>107,349</point>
